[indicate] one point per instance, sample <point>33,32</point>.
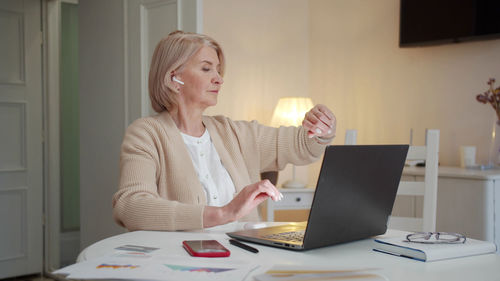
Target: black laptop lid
<point>360,180</point>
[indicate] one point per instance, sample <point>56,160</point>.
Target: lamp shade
<point>290,111</point>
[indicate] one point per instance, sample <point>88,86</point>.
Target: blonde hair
<point>171,53</point>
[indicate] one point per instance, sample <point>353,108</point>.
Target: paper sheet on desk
<point>158,268</point>
<point>294,273</point>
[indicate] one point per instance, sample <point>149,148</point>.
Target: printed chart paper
<point>294,273</point>
<point>120,266</point>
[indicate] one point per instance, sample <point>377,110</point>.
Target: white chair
<point>350,137</point>
<point>426,188</point>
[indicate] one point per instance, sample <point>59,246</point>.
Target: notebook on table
<point>354,196</point>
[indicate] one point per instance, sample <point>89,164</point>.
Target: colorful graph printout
<point>117,266</point>
<point>196,268</point>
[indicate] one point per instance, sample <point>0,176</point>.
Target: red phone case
<point>219,251</point>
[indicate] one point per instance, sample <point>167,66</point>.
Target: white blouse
<point>217,184</point>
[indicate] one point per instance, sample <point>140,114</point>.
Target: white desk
<point>350,255</point>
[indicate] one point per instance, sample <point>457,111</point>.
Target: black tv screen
<point>432,22</point>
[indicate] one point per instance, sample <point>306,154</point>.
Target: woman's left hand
<point>320,121</point>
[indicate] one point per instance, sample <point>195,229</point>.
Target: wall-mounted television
<point>433,22</point>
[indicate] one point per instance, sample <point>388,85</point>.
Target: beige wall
<point>382,90</point>
<point>266,44</point>
<point>345,54</point>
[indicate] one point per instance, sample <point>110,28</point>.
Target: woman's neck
<point>188,122</point>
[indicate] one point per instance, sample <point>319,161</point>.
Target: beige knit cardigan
<point>159,188</point>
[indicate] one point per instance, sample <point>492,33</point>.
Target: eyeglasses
<point>436,238</point>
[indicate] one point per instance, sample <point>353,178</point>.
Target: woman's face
<point>201,78</point>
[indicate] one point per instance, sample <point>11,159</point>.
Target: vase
<point>494,157</point>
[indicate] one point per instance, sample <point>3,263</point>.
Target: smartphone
<point>205,248</point>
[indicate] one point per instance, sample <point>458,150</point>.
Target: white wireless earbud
<point>177,80</point>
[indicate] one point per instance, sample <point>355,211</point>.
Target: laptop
<point>354,196</point>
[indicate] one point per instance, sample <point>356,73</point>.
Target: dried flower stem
<point>491,96</point>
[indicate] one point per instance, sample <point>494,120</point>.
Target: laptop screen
<point>355,192</point>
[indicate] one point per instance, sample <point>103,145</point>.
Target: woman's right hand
<point>242,204</point>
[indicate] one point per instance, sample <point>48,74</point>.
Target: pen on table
<point>243,246</point>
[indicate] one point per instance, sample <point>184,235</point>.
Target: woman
<point>182,170</point>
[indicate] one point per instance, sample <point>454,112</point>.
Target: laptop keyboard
<point>291,236</point>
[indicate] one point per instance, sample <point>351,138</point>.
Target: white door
<point>148,22</point>
<point>21,194</point>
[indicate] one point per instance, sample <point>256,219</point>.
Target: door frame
<point>51,24</point>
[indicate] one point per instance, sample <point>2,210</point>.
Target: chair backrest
<point>350,137</point>
<point>427,188</point>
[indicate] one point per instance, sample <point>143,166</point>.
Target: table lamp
<point>290,111</point>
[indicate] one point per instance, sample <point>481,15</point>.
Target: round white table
<point>358,254</point>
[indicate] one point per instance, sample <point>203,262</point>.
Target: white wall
<point>266,45</point>
<point>382,90</point>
